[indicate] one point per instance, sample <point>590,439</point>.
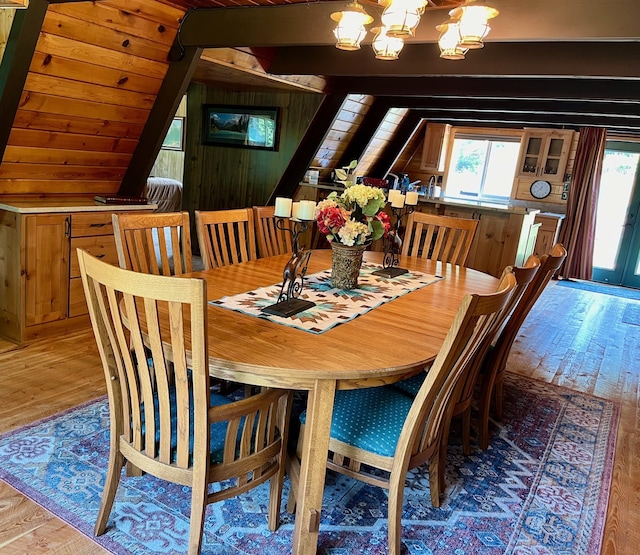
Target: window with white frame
<point>482,166</point>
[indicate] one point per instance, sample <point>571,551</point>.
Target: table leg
<point>313,467</point>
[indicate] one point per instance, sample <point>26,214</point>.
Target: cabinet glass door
<point>554,153</point>
<point>616,253</point>
<point>532,155</point>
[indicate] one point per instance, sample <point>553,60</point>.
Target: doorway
<point>616,253</point>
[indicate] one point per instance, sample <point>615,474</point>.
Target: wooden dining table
<point>389,343</point>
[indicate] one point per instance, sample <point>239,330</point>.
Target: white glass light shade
<point>384,46</point>
<point>448,41</point>
<point>401,17</point>
<point>473,17</point>
<point>350,30</point>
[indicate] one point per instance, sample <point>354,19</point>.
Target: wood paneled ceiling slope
<point>88,89</point>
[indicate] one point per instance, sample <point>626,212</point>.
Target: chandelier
<point>464,31</point>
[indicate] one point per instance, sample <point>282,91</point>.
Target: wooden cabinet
<point>434,148</point>
<point>544,154</point>
<point>548,232</point>
<point>39,269</point>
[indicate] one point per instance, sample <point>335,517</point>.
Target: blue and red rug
<point>540,489</point>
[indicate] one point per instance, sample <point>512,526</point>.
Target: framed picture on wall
<point>240,126</point>
<point>174,139</point>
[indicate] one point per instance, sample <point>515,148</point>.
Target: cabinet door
<point>433,148</point>
<point>531,153</point>
<point>47,268</point>
<point>556,152</point>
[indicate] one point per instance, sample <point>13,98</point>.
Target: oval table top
<point>388,343</point>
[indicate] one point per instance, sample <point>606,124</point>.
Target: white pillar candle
<point>283,207</point>
<point>397,201</point>
<point>307,210</point>
<point>295,212</point>
<point>392,193</point>
<point>411,198</point>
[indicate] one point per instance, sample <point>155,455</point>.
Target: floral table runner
<point>333,306</point>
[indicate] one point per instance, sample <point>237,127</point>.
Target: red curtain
<point>578,229</point>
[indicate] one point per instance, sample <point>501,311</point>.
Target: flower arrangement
<point>354,217</point>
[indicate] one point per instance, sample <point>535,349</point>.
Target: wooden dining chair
<point>383,428</point>
<point>441,238</point>
<point>494,365</point>
<point>226,237</point>
<point>271,240</point>
<point>158,243</point>
<point>164,418</point>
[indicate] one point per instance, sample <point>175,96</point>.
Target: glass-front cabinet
<point>544,154</point>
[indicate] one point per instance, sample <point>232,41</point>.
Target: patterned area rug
<point>332,306</point>
<point>540,489</point>
<point>602,288</point>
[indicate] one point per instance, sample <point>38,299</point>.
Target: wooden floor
<point>572,338</point>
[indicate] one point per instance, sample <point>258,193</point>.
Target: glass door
<point>616,250</point>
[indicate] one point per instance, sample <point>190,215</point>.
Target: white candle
<point>307,210</point>
<point>411,198</point>
<point>295,212</point>
<point>392,194</point>
<point>397,201</point>
<point>283,207</point>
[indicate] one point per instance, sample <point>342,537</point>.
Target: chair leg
<point>114,469</point>
<point>198,509</point>
<point>436,483</point>
<point>486,393</point>
<point>498,394</point>
<point>396,495</point>
<point>466,431</point>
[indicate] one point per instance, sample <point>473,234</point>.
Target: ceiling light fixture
<point>448,41</point>
<point>473,16</point>
<point>384,46</point>
<point>465,30</point>
<point>350,29</point>
<point>401,17</point>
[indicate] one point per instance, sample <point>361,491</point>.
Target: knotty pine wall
<point>92,82</point>
<point>6,18</point>
<point>218,178</point>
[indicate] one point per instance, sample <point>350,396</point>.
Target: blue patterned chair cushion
<point>370,419</point>
<point>411,385</point>
<point>218,429</point>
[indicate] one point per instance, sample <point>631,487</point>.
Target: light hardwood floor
<point>571,338</point>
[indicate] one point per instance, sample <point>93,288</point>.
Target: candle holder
<point>289,301</point>
<point>393,246</point>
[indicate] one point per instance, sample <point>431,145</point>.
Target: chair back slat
<point>432,404</point>
<point>226,237</point>
<point>271,240</point>
<point>156,243</point>
<point>442,238</point>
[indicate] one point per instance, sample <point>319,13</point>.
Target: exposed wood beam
<point>503,88</point>
<point>316,132</point>
<point>526,119</point>
<point>310,23</point>
<point>366,130</point>
<point>404,133</point>
<point>520,106</point>
<point>169,96</point>
<point>517,59</point>
<point>21,44</point>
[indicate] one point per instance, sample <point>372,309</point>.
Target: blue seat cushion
<point>410,386</point>
<point>370,419</point>
<point>218,429</point>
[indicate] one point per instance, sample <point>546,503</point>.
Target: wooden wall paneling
<point>66,157</point>
<point>6,19</point>
<point>71,141</point>
<point>49,186</point>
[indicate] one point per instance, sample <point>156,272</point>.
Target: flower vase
<point>345,265</point>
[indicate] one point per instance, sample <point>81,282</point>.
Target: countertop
<point>41,205</point>
<point>482,205</point>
